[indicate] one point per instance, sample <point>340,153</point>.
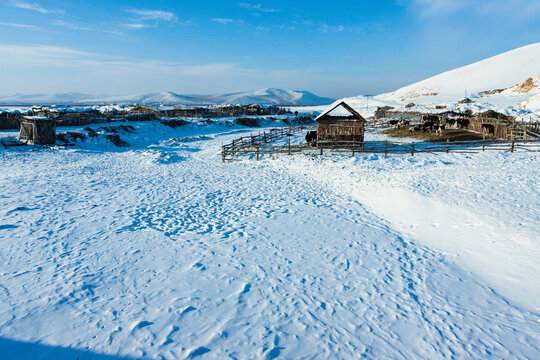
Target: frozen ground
<point>161,251</point>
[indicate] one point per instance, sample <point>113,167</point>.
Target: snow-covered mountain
<point>483,78</point>
<point>508,83</point>
<point>263,97</point>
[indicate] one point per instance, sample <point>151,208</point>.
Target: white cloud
<point>257,7</point>
<point>510,8</point>
<point>33,6</point>
<point>136,26</point>
<point>325,28</point>
<point>153,14</point>
<point>20,26</point>
<point>72,26</point>
<point>227,21</point>
<point>52,69</point>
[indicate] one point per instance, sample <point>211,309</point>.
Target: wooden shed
<point>37,129</point>
<point>344,126</point>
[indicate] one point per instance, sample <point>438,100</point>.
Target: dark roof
<point>346,107</point>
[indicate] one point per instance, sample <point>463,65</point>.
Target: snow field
<point>163,251</point>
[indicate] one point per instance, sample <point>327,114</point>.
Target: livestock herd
<point>429,123</point>
<point>432,123</point>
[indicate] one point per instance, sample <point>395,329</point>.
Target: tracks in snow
<point>191,258</point>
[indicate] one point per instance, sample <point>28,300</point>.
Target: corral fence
<point>255,141</point>
<point>384,147</point>
<point>501,128</point>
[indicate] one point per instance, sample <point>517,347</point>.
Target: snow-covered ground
<point>160,250</point>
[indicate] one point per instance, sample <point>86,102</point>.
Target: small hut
<point>39,130</point>
<point>344,126</point>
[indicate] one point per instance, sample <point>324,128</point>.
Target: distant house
<point>140,109</point>
<point>38,129</point>
<point>340,124</point>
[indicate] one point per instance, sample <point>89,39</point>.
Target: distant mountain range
<point>262,97</point>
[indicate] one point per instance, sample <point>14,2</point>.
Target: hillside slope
<point>507,83</point>
<point>496,73</point>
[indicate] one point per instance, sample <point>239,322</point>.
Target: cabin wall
<point>501,130</point>
<point>40,132</point>
<point>340,131</point>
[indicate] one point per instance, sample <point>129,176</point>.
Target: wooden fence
<point>240,145</point>
<point>384,147</point>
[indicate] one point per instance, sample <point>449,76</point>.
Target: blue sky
<point>331,48</point>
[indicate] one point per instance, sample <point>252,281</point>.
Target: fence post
<point>289,145</point>
<point>258,153</point>
<point>385,148</point>
<point>412,149</point>
<point>512,148</point>
<point>447,146</point>
<point>321,150</point>
<point>222,152</point>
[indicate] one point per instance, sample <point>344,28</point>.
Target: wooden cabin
<point>37,129</point>
<point>344,126</point>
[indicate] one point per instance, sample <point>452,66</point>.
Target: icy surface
<point>160,250</point>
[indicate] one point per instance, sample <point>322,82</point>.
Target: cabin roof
<point>346,107</point>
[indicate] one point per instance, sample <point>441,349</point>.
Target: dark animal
<point>427,125</point>
<point>393,122</point>
<point>463,123</point>
<point>402,123</point>
<point>429,117</point>
<point>311,137</point>
<point>490,128</point>
<point>450,122</point>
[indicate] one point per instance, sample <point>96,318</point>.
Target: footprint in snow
<point>246,289</point>
<point>274,353</point>
<point>200,266</point>
<point>188,309</point>
<point>142,324</point>
<point>198,352</point>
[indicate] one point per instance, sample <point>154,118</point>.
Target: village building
<point>38,130</point>
<point>339,125</point>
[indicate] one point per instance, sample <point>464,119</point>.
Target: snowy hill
<point>491,75</point>
<point>508,83</point>
<point>263,97</point>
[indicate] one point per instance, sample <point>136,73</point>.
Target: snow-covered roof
<point>344,105</point>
